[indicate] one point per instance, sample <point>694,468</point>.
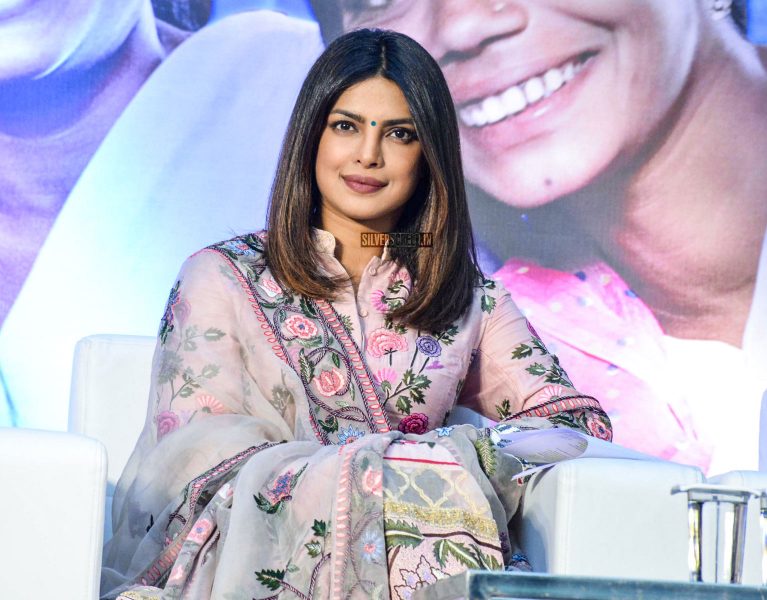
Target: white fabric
<point>726,402</point>
<point>190,161</point>
<point>52,503</point>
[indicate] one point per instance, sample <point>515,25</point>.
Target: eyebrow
<point>361,119</point>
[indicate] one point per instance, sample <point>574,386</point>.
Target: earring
<point>720,9</point>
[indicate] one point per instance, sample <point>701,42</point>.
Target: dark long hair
<point>444,274</point>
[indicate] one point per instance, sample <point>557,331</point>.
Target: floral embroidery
<point>301,327</point>
<point>386,374</point>
<point>444,431</point>
<point>270,286</point>
<point>424,574</point>
<point>280,492</point>
<point>200,531</point>
<point>414,423</point>
<point>209,404</point>
<point>384,341</point>
<point>377,299</point>
<point>428,346</point>
<point>166,421</point>
<point>598,427</point>
<point>331,382</point>
<point>371,546</point>
<point>349,435</point>
<point>372,482</point>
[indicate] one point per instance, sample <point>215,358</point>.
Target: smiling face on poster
<point>615,154</point>
<point>550,93</point>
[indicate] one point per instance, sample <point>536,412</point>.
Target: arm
<point>514,377</point>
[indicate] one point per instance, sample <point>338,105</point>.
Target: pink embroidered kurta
<point>274,451</point>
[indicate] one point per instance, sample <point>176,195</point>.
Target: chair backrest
<point>110,391</point>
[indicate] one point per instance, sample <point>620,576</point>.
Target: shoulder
<point>489,294</point>
<point>244,253</point>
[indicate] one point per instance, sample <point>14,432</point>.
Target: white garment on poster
<point>189,162</point>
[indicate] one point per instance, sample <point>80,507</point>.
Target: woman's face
<point>549,93</point>
<point>39,36</point>
<point>369,155</point>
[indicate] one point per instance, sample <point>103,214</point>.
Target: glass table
<point>484,585</point>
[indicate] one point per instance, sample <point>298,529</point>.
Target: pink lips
<point>363,185</point>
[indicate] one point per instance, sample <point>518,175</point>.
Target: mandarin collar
<point>325,242</point>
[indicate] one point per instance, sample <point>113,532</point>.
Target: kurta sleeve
<point>514,376</point>
<point>203,363</point>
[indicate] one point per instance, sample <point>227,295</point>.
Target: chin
<point>527,180</point>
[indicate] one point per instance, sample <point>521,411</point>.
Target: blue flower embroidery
<point>349,435</point>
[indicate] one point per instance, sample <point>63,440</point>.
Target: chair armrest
<point>52,507</point>
<point>608,517</point>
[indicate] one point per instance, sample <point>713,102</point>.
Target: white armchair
<point>592,517</point>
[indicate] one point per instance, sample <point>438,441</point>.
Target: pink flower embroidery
<point>200,531</point>
<point>377,300</point>
<point>167,421</point>
<point>383,341</point>
<point>209,404</point>
<point>400,275</point>
<point>372,482</point>
<point>331,382</point>
<point>598,428</point>
<point>549,392</point>
<point>270,287</point>
<point>385,374</point>
<point>301,327</point>
<point>415,423</point>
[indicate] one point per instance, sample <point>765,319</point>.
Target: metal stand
<point>735,539</point>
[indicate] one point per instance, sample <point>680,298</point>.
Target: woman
<point>295,442</point>
<point>645,122</point>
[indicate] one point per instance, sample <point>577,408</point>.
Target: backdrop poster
<point>612,150</point>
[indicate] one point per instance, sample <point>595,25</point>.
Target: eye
<point>343,126</point>
<point>403,134</point>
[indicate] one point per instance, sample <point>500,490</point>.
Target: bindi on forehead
<point>361,119</point>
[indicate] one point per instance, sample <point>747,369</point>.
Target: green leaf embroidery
<point>444,548</point>
<point>307,308</point>
<point>270,578</point>
<point>313,548</point>
<point>407,377</point>
<point>386,386</point>
<point>486,452</point>
<point>400,533</point>
<point>404,405</point>
<point>264,504</point>
<point>213,335</point>
<point>538,344</point>
<point>347,320</point>
<point>190,345</point>
<point>320,528</point>
<point>536,369</point>
<point>210,371</point>
<point>504,409</point>
<point>307,368</point>
<point>522,351</point>
<point>329,426</point>
<point>421,381</point>
<point>335,359</point>
<point>416,396</point>
<point>186,391</point>
<point>487,303</point>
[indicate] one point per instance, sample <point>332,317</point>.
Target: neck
<point>349,251</point>
<point>684,223</point>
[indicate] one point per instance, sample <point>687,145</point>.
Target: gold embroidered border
<point>444,517</point>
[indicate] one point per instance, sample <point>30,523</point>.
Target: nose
<point>369,150</point>
<point>462,31</point>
